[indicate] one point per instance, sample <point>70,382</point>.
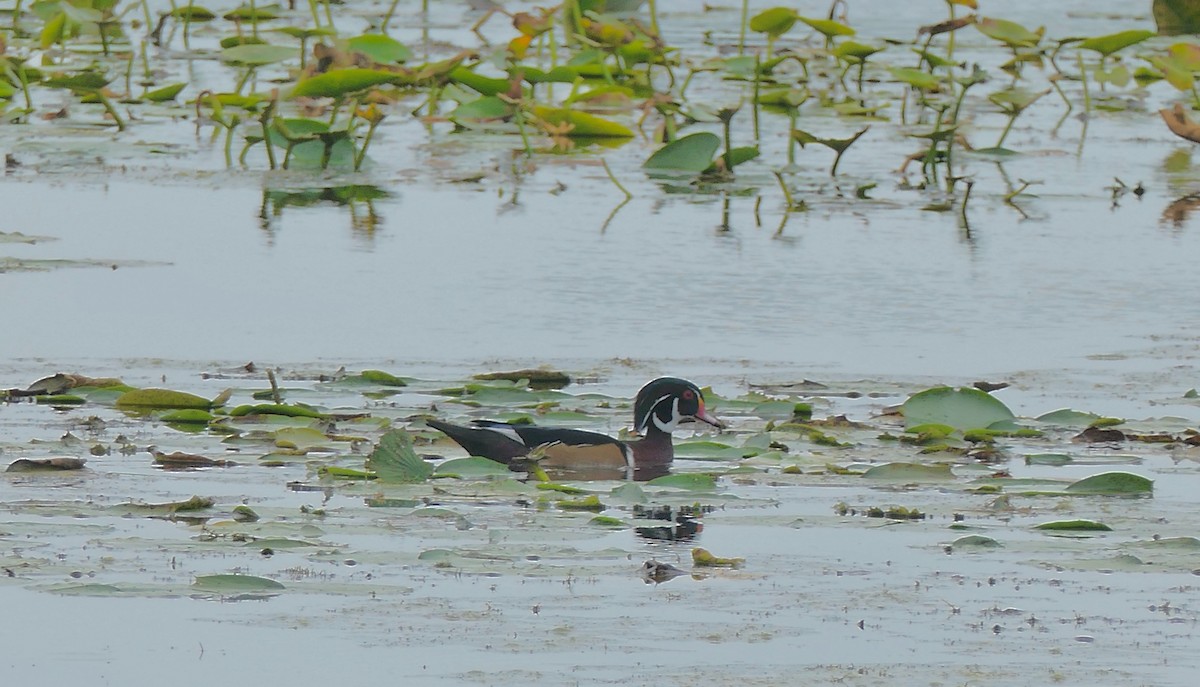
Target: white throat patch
<point>670,425</point>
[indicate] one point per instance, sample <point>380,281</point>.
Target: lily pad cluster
<point>294,87</point>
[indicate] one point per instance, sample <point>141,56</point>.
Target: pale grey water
<point>1080,304</point>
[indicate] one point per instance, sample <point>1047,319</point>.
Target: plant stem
<point>387,17</point>
<point>962,208</point>
<point>111,110</point>
<point>612,177</point>
<point>742,27</point>
<point>787,194</point>
<point>1012,119</point>
<point>265,121</point>
<point>757,88</point>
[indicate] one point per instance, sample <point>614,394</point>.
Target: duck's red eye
<point>688,394</point>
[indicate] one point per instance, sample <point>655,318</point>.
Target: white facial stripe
<point>651,414</point>
<point>670,425</point>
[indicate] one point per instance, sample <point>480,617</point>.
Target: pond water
<point>459,256</point>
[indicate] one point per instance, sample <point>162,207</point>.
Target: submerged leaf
<point>910,472</point>
<point>236,583</point>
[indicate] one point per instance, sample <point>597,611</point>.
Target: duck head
<point>665,402</point>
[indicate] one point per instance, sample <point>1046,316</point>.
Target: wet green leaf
<point>254,13</point>
<point>395,461</point>
<point>193,13</point>
<point>561,488</point>
<point>976,541</point>
<point>301,438</point>
<point>1010,33</point>
<point>692,153</point>
<point>382,378</point>
<point>607,521</point>
<point>582,124</point>
<point>472,466</point>
<point>52,31</point>
<point>1048,459</point>
<point>380,48</point>
<point>1112,483</point>
<point>1175,17</point>
<point>1074,526</point>
<point>162,398</point>
<point>234,584</point>
<point>589,503</point>
<point>963,408</point>
<point>1068,418</point>
<point>161,95</point>
<point>853,52</point>
<point>188,416</point>
<point>828,27</point>
<point>338,83</point>
<point>484,85</point>
<point>275,409</point>
<point>774,22</point>
<point>486,108</point>
<point>1113,42</point>
<point>82,82</point>
<point>916,78</point>
<point>691,481</point>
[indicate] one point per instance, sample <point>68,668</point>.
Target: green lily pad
<point>916,78</point>
<point>382,378</point>
<point>275,409</point>
<point>236,584</point>
<point>910,472</point>
<point>1112,483</point>
<point>976,541</point>
<point>692,153</point>
<point>1066,417</point>
<point>161,95</point>
<point>774,22</point>
<point>1113,42</point>
<point>162,398</point>
<point>1008,32</point>
<point>395,461</point>
<point>828,27</point>
<point>472,466</point>
<point>963,408</point>
<point>380,48</point>
<point>188,416</point>
<point>691,481</point>
<point>1074,526</point>
<point>485,108</point>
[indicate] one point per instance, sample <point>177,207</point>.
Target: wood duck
<point>658,409</point>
